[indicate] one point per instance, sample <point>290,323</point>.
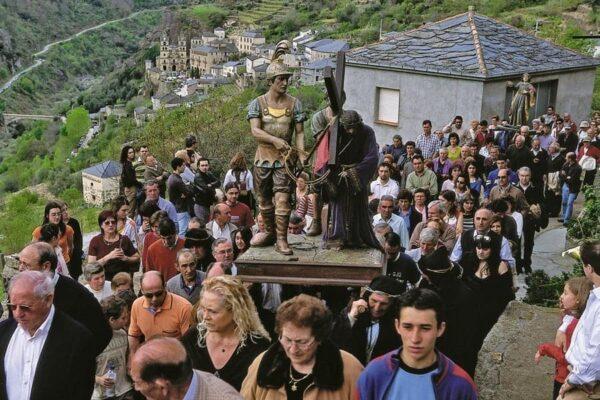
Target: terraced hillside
<point>264,10</point>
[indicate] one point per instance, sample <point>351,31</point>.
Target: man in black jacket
<point>532,220</point>
<point>366,327</point>
<point>70,297</point>
<point>46,354</point>
<point>205,185</point>
<point>444,277</point>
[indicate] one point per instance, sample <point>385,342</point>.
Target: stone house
<point>247,41</point>
<point>254,61</point>
<point>118,110</point>
<point>204,57</point>
<point>461,66</point>
<point>101,182</point>
<point>173,57</point>
<point>220,32</point>
<point>312,73</point>
<point>141,115</point>
<point>232,68</point>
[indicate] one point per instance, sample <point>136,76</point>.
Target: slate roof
<point>107,169</point>
<point>253,34</point>
<point>261,68</point>
<point>332,47</point>
<point>320,64</point>
<point>472,46</point>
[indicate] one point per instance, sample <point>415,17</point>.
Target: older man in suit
<point>161,369</point>
<point>46,354</point>
<point>70,297</point>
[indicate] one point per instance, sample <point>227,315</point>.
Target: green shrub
<point>587,223</point>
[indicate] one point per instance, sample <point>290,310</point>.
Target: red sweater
<point>551,350</point>
<point>163,259</point>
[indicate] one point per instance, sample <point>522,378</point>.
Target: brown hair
<point>122,278</point>
<point>238,162</point>
<point>305,311</point>
<point>581,287</point>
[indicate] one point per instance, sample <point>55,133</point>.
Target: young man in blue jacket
<point>416,370</point>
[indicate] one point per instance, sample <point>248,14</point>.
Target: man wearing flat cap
<point>366,327</point>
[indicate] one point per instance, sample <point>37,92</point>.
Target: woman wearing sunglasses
<point>112,250</point>
<point>303,363</point>
<point>491,282</point>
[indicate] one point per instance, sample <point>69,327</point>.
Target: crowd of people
<point>455,212</point>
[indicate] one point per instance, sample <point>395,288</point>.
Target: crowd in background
<point>455,211</point>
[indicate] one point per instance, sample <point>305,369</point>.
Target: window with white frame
<point>387,106</point>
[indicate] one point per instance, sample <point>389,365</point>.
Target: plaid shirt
<point>428,145</point>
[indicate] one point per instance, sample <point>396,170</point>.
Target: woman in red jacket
<point>588,157</point>
<point>572,302</point>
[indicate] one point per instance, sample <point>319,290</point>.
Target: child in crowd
<point>93,274</point>
<point>572,302</point>
<point>114,356</point>
<point>121,282</point>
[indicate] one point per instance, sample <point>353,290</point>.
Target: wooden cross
<point>335,88</point>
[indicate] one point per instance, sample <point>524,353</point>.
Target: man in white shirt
<point>221,226</point>
<point>93,274</point>
<point>386,208</point>
<point>161,369</point>
<point>40,337</point>
<point>584,352</point>
<point>384,185</point>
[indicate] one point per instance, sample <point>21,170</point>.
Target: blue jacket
<point>450,383</point>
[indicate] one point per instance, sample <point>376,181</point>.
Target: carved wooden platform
<point>310,264</point>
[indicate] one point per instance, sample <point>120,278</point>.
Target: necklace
<point>293,381</point>
<point>107,243</point>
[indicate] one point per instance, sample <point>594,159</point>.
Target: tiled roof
<point>261,68</point>
<point>107,169</point>
<point>469,45</point>
<point>205,49</point>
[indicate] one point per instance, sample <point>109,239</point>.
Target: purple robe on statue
<point>349,219</point>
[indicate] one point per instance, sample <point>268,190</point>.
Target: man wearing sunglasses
<point>157,312</point>
<point>46,354</point>
<point>70,297</point>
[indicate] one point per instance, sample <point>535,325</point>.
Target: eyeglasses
<point>155,294</point>
<point>110,222</point>
<point>302,344</point>
<point>23,307</point>
<point>463,182</point>
<point>483,241</point>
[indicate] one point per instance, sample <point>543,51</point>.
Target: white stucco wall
<point>435,98</point>
<point>573,94</point>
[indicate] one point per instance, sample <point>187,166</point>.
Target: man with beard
<point>366,327</point>
<point>349,223</point>
<point>444,277</point>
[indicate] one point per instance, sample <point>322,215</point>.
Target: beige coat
<point>352,369</point>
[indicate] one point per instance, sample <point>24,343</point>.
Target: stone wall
<point>506,370</point>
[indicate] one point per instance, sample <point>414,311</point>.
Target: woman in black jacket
<point>129,183</point>
<point>571,178</point>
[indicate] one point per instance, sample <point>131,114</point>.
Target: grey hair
<point>429,235</point>
<point>184,251</point>
<point>525,169</point>
<point>150,182</point>
<point>41,282</point>
<point>219,241</point>
<point>386,197</point>
<point>440,205</point>
<point>91,269</point>
<point>444,149</point>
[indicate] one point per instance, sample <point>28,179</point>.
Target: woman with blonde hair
<point>229,334</point>
<point>240,174</point>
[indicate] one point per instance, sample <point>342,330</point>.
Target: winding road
<point>39,61</point>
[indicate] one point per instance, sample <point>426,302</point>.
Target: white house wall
<point>573,94</point>
<point>435,98</point>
